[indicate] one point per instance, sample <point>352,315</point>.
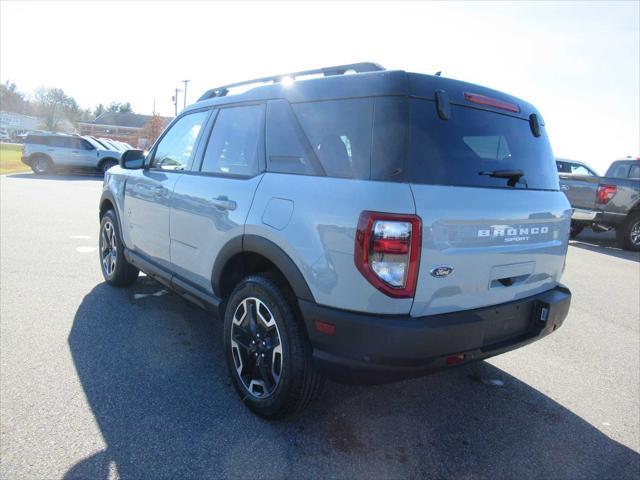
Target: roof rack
<point>362,67</point>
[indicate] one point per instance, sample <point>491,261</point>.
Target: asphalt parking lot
<point>101,383</point>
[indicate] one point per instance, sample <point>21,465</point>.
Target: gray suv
<point>48,152</point>
<point>367,227</point>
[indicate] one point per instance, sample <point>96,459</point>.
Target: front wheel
<point>267,349</point>
<point>107,164</point>
<point>628,234</point>
<point>116,270</point>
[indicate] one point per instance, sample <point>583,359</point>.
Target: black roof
<point>369,84</point>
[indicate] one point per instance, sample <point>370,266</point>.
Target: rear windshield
<point>455,151</point>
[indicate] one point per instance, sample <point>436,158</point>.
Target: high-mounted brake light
<point>491,102</point>
<point>605,193</point>
<point>387,251</point>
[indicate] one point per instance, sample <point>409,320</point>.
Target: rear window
<point>455,151</point>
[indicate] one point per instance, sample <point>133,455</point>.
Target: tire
<point>289,380</point>
<point>41,165</point>
<point>115,268</point>
<point>575,229</point>
<point>628,234</point>
<point>107,164</point>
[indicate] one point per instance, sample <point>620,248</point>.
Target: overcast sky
<point>577,62</point>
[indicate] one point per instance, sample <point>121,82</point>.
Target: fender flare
<point>108,196</point>
<point>267,249</point>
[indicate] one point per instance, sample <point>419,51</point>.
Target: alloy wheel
<point>108,248</point>
<point>635,233</point>
<point>256,347</point>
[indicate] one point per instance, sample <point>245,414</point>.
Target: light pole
<point>185,92</point>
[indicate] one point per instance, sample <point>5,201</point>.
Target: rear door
<point>499,242</point>
<point>59,148</point>
<point>148,192</point>
<point>83,154</point>
<point>211,203</point>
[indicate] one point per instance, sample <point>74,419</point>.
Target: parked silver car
<point>46,152</point>
<point>367,227</point>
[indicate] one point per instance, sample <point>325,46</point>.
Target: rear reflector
<point>491,102</point>
<point>455,359</point>
<point>324,327</point>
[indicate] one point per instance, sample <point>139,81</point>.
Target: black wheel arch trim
<point>108,196</point>
<point>269,250</point>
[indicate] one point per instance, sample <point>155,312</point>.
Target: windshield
<point>95,143</point>
<point>477,148</point>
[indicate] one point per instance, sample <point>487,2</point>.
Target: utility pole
<point>185,92</point>
<point>175,103</point>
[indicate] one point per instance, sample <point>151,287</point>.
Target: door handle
<point>223,203</point>
<point>160,191</point>
<point>564,187</point>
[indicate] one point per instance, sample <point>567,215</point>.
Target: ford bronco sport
<point>48,152</point>
<point>368,226</point>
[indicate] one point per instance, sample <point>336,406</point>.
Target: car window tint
<point>61,142</point>
<point>620,171</point>
<point>635,172</point>
<point>288,150</point>
<point>472,141</point>
<point>175,149</point>
<point>340,134</point>
<point>235,146</point>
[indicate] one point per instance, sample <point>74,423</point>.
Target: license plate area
<point>507,322</point>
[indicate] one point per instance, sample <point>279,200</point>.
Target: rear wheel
<point>575,229</point>
<point>267,350</point>
<point>107,164</point>
<point>115,268</point>
<point>41,165</point>
<point>628,234</point>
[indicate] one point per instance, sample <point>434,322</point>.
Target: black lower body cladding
<point>368,349</point>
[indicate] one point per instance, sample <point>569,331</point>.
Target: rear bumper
<point>583,215</point>
<point>367,348</point>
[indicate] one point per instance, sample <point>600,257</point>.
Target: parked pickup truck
<point>612,201</point>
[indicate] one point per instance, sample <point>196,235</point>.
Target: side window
<point>580,170</point>
<point>235,145</point>
<point>61,142</point>
<point>288,150</point>
<point>340,135</point>
<point>175,149</point>
<point>563,167</point>
<point>634,173</point>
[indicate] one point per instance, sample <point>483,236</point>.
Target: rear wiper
<point>512,175</point>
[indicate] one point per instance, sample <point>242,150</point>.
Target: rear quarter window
<point>455,151</point>
<point>340,134</point>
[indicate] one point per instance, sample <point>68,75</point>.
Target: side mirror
<point>132,159</point>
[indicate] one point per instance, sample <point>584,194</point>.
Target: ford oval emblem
<point>441,271</point>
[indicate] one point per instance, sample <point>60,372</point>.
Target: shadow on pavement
<point>603,242</point>
<point>153,372</point>
<point>66,176</point>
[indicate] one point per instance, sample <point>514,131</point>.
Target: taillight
<point>387,251</point>
<point>605,193</point>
